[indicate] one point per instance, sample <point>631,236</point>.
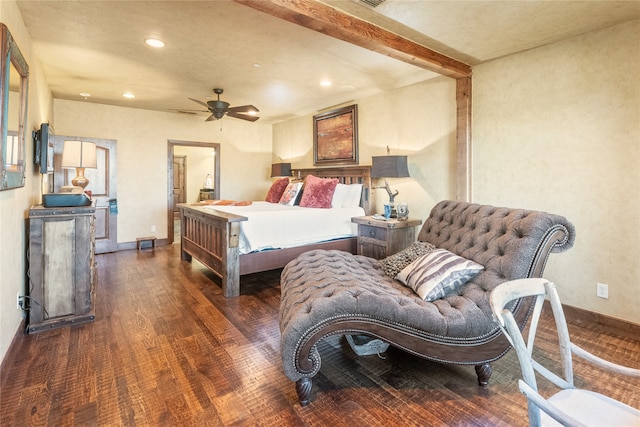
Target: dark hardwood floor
<point>167,349</point>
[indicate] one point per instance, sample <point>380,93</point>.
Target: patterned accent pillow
<point>276,190</point>
<point>290,193</point>
<point>437,273</point>
<point>318,192</point>
<point>393,264</point>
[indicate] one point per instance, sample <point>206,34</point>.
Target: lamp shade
<point>79,154</point>
<point>389,167</point>
<point>280,169</point>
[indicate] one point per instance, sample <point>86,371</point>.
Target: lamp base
<point>80,180</point>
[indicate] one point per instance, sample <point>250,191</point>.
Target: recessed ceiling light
<point>128,95</point>
<point>154,42</point>
<point>256,65</point>
<point>85,95</point>
<point>325,83</point>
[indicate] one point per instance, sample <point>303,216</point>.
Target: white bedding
<point>275,226</point>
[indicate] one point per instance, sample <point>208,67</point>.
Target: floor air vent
<point>372,3</point>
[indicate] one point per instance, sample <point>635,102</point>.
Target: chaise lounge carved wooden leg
<point>484,373</point>
<point>303,388</point>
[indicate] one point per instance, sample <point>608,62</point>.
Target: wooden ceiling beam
<point>325,19</point>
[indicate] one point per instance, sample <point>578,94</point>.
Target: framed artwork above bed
<point>335,137</point>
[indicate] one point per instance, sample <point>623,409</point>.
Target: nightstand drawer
<point>370,232</point>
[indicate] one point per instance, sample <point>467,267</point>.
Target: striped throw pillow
<point>393,264</point>
<point>435,274</point>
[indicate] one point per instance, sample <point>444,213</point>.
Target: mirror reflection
<point>14,73</point>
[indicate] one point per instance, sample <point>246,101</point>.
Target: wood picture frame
<point>335,137</point>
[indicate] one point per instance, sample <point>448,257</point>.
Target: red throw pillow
<point>318,192</point>
<point>276,190</point>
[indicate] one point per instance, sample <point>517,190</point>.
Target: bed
<point>213,234</point>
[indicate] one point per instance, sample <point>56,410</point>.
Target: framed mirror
<point>14,79</point>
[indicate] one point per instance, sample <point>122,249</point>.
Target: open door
<point>179,181</point>
<point>102,184</point>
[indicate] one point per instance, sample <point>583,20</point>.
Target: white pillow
<point>290,193</point>
<point>347,196</point>
<point>437,273</point>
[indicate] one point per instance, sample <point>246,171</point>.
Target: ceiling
<point>97,47</point>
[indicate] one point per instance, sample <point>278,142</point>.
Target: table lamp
<point>79,155</point>
<point>389,167</point>
<point>280,169</point>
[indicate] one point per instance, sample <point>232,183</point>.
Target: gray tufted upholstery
<point>331,292</point>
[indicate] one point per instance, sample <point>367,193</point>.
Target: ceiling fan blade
<point>182,110</point>
<point>242,116</point>
<point>200,102</point>
<point>243,109</point>
<point>211,118</point>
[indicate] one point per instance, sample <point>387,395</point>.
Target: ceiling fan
<point>219,109</point>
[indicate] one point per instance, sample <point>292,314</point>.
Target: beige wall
<point>417,121</point>
<point>15,204</point>
<point>558,129</point>
<point>142,135</point>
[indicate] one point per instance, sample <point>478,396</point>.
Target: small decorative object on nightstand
<point>403,211</point>
<point>207,194</point>
<point>379,238</point>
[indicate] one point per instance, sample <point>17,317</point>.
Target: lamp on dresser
<point>79,155</point>
<point>280,169</point>
<point>389,167</point>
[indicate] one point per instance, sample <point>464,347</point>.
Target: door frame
<point>171,143</point>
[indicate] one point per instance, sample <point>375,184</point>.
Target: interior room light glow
<point>325,83</point>
<point>128,95</point>
<point>154,42</point>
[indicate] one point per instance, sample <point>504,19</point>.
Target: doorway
<point>185,183</point>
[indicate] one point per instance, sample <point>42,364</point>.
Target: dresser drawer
<point>370,232</point>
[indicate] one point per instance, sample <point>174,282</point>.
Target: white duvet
<point>275,226</point>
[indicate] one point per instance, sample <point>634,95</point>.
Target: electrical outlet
<point>19,301</point>
<point>153,228</point>
<point>602,290</point>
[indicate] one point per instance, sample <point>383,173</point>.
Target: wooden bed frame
<point>212,237</point>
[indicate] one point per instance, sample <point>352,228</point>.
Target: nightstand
<point>379,239</point>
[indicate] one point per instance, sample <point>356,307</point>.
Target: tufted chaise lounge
<point>328,293</point>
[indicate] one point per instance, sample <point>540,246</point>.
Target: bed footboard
<point>212,239</point>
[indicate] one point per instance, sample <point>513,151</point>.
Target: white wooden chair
<point>569,406</point>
